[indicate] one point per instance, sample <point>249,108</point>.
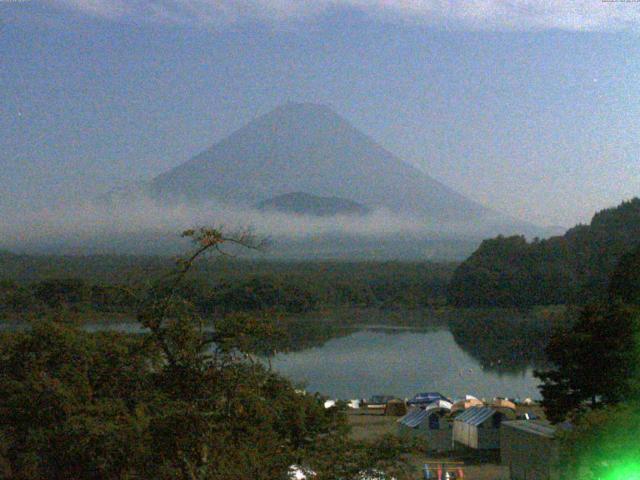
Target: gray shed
<point>479,428</point>
<point>433,425</point>
<point>528,448</point>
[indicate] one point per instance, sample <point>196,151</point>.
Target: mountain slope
<point>301,203</point>
<point>309,148</point>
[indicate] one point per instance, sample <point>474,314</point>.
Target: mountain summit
<point>303,147</point>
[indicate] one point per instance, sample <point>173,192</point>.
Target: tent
<point>465,403</point>
<point>503,403</point>
<point>440,404</point>
<point>426,398</point>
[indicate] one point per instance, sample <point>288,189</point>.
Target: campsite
<point>434,443</point>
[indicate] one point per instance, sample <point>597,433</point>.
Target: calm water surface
<point>400,360</point>
<point>401,363</point>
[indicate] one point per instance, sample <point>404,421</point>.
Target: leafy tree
<point>338,457</point>
<point>178,403</point>
<point>68,402</point>
<point>113,298</point>
<point>61,291</point>
<point>596,361</point>
<point>603,444</point>
<point>596,383</point>
<point>16,298</point>
<point>625,281</point>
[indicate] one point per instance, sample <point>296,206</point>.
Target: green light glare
<point>626,471</point>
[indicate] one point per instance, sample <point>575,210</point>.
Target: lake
<point>400,362</point>
<point>356,354</point>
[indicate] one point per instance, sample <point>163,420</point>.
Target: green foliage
<point>625,282</point>
<point>596,361</point>
<point>596,384</point>
<point>338,457</point>
<point>80,405</point>
<point>509,272</point>
<point>178,403</point>
<point>16,298</point>
<point>57,292</point>
<point>66,401</point>
<point>112,284</point>
<point>263,294</point>
<point>603,445</point>
<point>574,268</point>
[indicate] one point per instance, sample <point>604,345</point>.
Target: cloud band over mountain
<point>523,15</point>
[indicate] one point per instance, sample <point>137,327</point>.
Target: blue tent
<point>427,398</point>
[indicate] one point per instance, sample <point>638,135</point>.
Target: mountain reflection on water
<point>356,353</point>
<point>486,353</point>
<point>499,340</point>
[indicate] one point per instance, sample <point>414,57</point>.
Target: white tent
<point>440,404</point>
<point>296,472</point>
<point>329,403</point>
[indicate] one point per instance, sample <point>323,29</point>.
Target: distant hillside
<point>305,204</point>
<point>573,268</point>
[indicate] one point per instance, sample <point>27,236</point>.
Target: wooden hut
<point>479,428</point>
<point>529,449</point>
<point>432,427</point>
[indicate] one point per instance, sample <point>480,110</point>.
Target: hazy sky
<point>530,107</point>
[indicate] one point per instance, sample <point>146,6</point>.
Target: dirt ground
<point>369,426</point>
<point>484,471</point>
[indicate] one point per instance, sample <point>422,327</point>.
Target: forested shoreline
<point>111,286</point>
<point>571,269</point>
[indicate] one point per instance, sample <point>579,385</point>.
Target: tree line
<point>289,288</point>
<point>571,269</point>
<point>595,381</point>
<point>176,403</point>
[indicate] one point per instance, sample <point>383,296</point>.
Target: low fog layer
<point>64,228</point>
